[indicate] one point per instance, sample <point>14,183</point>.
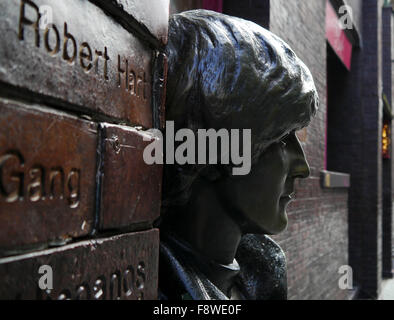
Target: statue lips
<point>288,197</point>
<point>289,194</point>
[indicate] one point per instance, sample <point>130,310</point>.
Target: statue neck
<point>205,225</point>
<point>222,276</point>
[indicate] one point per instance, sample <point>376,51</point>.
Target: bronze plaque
<point>74,52</point>
<point>130,188</point>
<point>120,267</point>
<point>151,15</point>
<point>47,175</point>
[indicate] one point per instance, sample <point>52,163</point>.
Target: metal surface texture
<point>119,267</point>
<point>47,175</point>
<point>130,189</point>
<point>73,52</point>
<point>150,17</point>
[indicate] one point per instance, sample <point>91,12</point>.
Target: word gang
<point>37,183</point>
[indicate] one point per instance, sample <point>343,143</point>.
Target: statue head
<point>229,73</point>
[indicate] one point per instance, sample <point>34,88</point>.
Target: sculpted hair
<point>226,72</point>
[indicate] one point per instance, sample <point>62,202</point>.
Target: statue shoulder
<point>180,278</point>
<point>263,268</point>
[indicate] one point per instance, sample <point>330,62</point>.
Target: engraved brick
<point>120,267</point>
<point>84,59</point>
<point>130,188</point>
<point>152,15</point>
<point>47,175</point>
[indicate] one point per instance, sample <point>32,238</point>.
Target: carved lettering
<point>73,183</point>
<point>130,280</point>
<point>124,72</point>
<point>70,48</point>
<point>83,292</point>
<point>69,37</point>
<point>35,188</point>
<point>133,83</point>
<point>115,286</point>
<point>16,180</point>
<point>99,289</point>
<point>24,21</point>
<point>14,190</point>
<point>140,86</point>
<point>106,59</point>
<point>72,51</point>
<point>64,295</point>
<point>141,276</point>
<point>85,53</point>
<point>56,183</point>
<point>56,48</point>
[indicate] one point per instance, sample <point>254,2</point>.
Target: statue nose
<point>299,167</point>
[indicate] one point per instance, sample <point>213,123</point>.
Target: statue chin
<point>261,227</point>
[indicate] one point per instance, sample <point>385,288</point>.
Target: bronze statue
<point>225,72</point>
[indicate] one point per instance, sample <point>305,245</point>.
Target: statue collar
<point>198,267</point>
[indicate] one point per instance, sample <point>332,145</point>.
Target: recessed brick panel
<point>316,241</point>
<point>122,267</point>
<point>130,188</point>
<point>84,58</point>
<point>47,175</point>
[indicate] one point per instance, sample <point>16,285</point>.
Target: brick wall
<point>331,228</point>
<point>316,240</point>
<point>75,193</point>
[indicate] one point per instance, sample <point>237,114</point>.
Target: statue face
<point>261,198</point>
